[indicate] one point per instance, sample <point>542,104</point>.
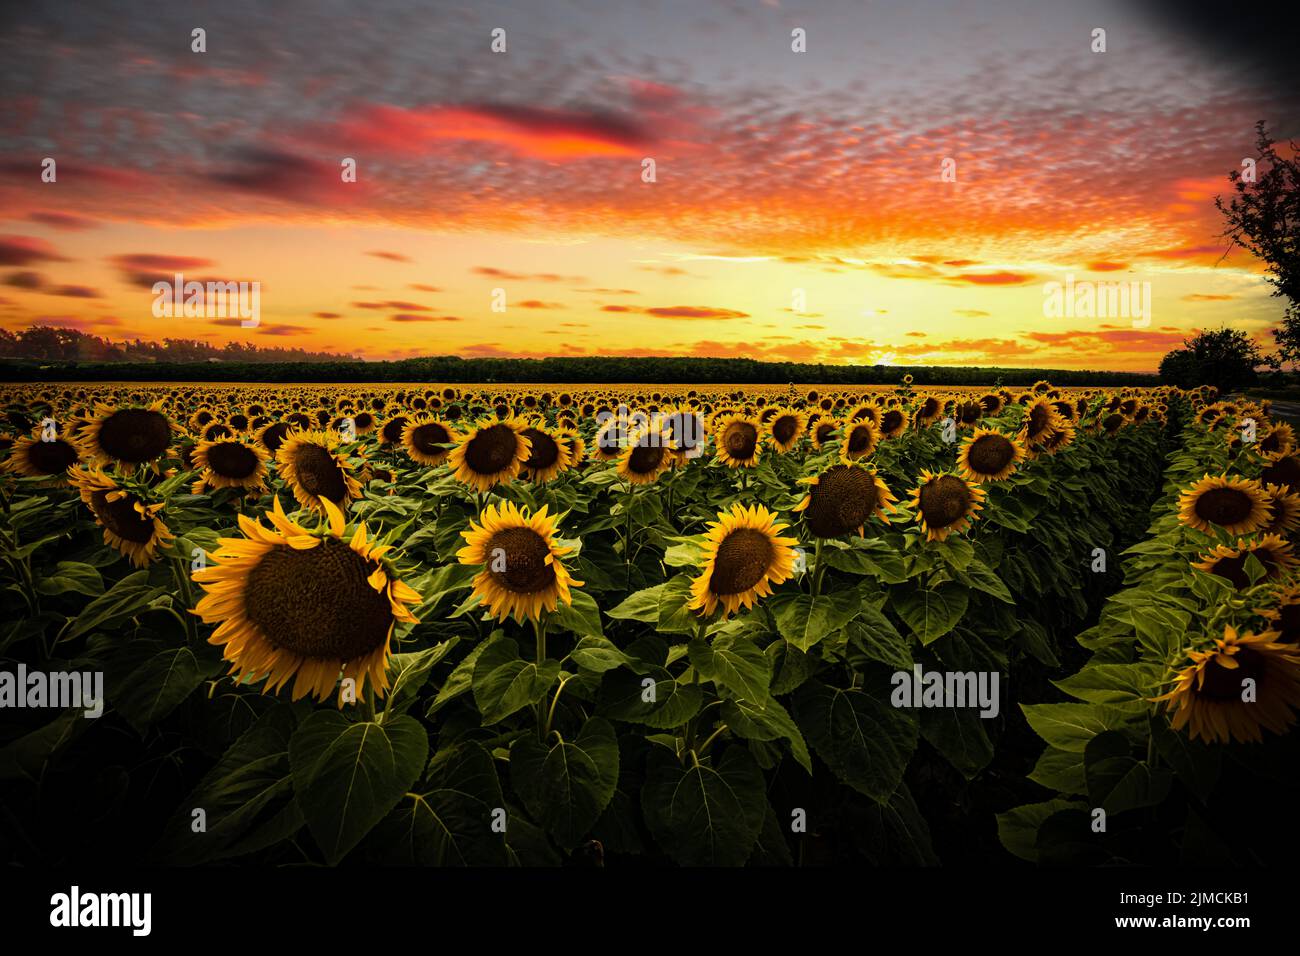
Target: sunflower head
<point>523,571</point>
<point>745,555</point>
<point>1229,562</point>
<point>315,471</point>
<point>230,463</point>
<point>127,437</point>
<point>131,524</point>
<point>309,605</point>
<point>423,439</point>
<point>842,498</point>
<point>739,441</point>
<point>785,427</point>
<point>989,455</point>
<point>490,453</point>
<point>1237,505</point>
<point>649,454</point>
<point>1232,690</point>
<point>860,440</point>
<point>33,457</point>
<point>548,453</point>
<point>945,504</point>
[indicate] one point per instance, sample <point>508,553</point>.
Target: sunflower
<point>131,524</point>
<point>1237,505</point>
<point>548,453</point>
<point>1207,693</point>
<point>945,503</point>
<point>231,463</point>
<point>739,441</point>
<point>648,456</point>
<point>33,457</point>
<point>842,498</point>
<point>391,432</point>
<point>893,422</point>
<point>493,452</point>
<point>127,437</point>
<point>744,556</point>
<point>989,455</point>
<point>785,428</point>
<point>1041,421</point>
<point>1284,506</point>
<point>928,410</point>
<point>422,438</point>
<point>687,430</point>
<point>272,436</point>
<point>315,472</point>
<point>860,440</point>
<point>821,430</point>
<point>1230,563</point>
<point>303,604</point>
<point>1284,471</point>
<point>522,568</point>
<point>1285,616</point>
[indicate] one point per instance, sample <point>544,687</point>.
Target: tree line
<point>49,344</point>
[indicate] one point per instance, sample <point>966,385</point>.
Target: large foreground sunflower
<point>744,556</point>
<point>522,568</point>
<point>842,498</point>
<point>315,472</point>
<point>1208,692</point>
<point>490,454</point>
<point>1237,505</point>
<point>303,604</point>
<point>131,524</point>
<point>945,503</point>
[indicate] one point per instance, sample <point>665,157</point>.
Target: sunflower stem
<point>539,629</point>
<point>819,568</point>
<point>187,596</point>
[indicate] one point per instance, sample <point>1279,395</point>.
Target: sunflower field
<point>613,625</point>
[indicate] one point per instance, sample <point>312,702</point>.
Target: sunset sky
<point>776,171</point>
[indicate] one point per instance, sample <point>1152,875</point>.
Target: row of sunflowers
<point>561,625</point>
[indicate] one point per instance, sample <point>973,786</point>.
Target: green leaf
<point>1111,683</point>
<point>893,833</point>
<point>874,637</point>
<point>1018,828</point>
<point>772,849</point>
<point>599,654</point>
<point>147,679</point>
<point>642,606</point>
<point>128,596</point>
<point>581,617</point>
<point>625,696</point>
<point>704,815</point>
<point>1071,726</point>
<point>772,722</point>
<point>348,776</point>
<point>72,576</point>
<point>246,798</point>
<point>461,679</point>
<point>505,683</point>
<point>958,733</point>
<point>932,612</point>
<point>566,786</point>
<point>803,620</point>
<point>410,672</point>
<point>981,577</point>
<point>450,824</point>
<point>865,741</point>
<point>685,552</point>
<point>736,664</point>
<point>1060,770</point>
<point>28,756</point>
<point>1116,780</point>
<point>1195,763</point>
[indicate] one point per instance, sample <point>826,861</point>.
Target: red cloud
<point>406,317</point>
<point>1206,297</point>
<point>24,250</point>
<point>390,256</point>
<point>1104,266</point>
<point>995,278</point>
<point>61,220</point>
<point>539,304</point>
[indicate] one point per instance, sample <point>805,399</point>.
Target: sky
<point>799,208</point>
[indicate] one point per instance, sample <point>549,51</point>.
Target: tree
<point>1264,219</point>
<point>1225,358</point>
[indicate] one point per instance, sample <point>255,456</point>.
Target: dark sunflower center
<point>51,457</point>
<point>1224,683</point>
<point>841,501</point>
<point>990,454</point>
<point>1288,624</point>
<point>743,559</point>
<point>392,430</point>
<point>944,501</point>
<point>318,472</point>
<point>1038,420</point>
<point>232,460</point>
<point>492,449</point>
<point>1284,471</point>
<point>1112,422</point>
<point>317,603</point>
<point>645,458</point>
<point>859,439</point>
<point>273,437</point>
<point>1233,567</point>
<point>970,412</point>
<point>545,451</point>
<point>426,438</point>
<point>135,435</point>
<point>824,431</point>
<point>517,561</point>
<point>784,428</point>
<point>1224,506</point>
<point>215,431</point>
<point>121,518</point>
<point>930,408</point>
<point>892,421</point>
<point>740,440</point>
